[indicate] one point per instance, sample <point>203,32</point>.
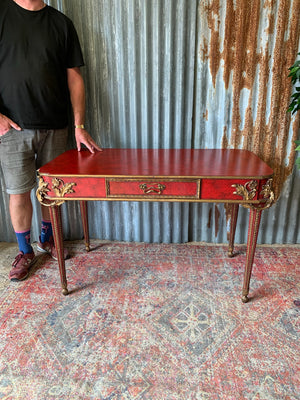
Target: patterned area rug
<point>152,322</point>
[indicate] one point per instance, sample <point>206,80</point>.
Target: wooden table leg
<point>85,223</point>
<point>254,221</point>
<point>55,215</point>
<point>233,219</point>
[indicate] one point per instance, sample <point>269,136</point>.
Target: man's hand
<point>6,124</point>
<point>83,137</point>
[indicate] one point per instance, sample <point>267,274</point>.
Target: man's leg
<point>46,226</point>
<point>20,208</point>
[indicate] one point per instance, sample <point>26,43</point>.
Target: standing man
<point>40,60</point>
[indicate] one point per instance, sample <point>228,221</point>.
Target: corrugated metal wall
<point>191,74</point>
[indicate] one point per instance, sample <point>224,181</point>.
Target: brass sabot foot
<point>245,299</point>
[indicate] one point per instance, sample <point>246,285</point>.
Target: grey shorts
<point>23,152</point>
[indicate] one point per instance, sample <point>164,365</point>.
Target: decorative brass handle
<point>248,192</point>
<point>58,186</point>
<point>152,189</point>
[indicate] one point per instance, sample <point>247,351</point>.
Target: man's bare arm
<point>77,95</point>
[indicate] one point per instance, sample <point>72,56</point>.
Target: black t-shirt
<point>36,48</point>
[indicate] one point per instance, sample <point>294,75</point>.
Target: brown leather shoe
<point>49,248</point>
<point>21,266</point>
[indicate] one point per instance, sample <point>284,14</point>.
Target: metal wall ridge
<point>186,74</point>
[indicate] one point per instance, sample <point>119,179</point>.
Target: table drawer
<point>153,188</point>
<point>225,189</point>
<point>74,187</point>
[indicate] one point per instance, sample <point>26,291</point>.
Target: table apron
<point>174,189</point>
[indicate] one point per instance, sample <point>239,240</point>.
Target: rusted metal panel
<point>187,73</point>
<point>247,48</point>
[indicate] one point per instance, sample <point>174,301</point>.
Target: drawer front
<point>72,187</point>
<point>226,189</point>
<point>153,189</point>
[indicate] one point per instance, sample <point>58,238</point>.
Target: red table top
<point>159,163</point>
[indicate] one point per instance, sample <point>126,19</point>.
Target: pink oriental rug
<point>152,322</point>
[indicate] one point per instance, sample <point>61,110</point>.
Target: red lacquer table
<point>224,176</point>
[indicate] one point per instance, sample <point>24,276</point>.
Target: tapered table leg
<point>55,215</point>
<point>85,223</point>
<point>233,219</point>
<point>254,221</point>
